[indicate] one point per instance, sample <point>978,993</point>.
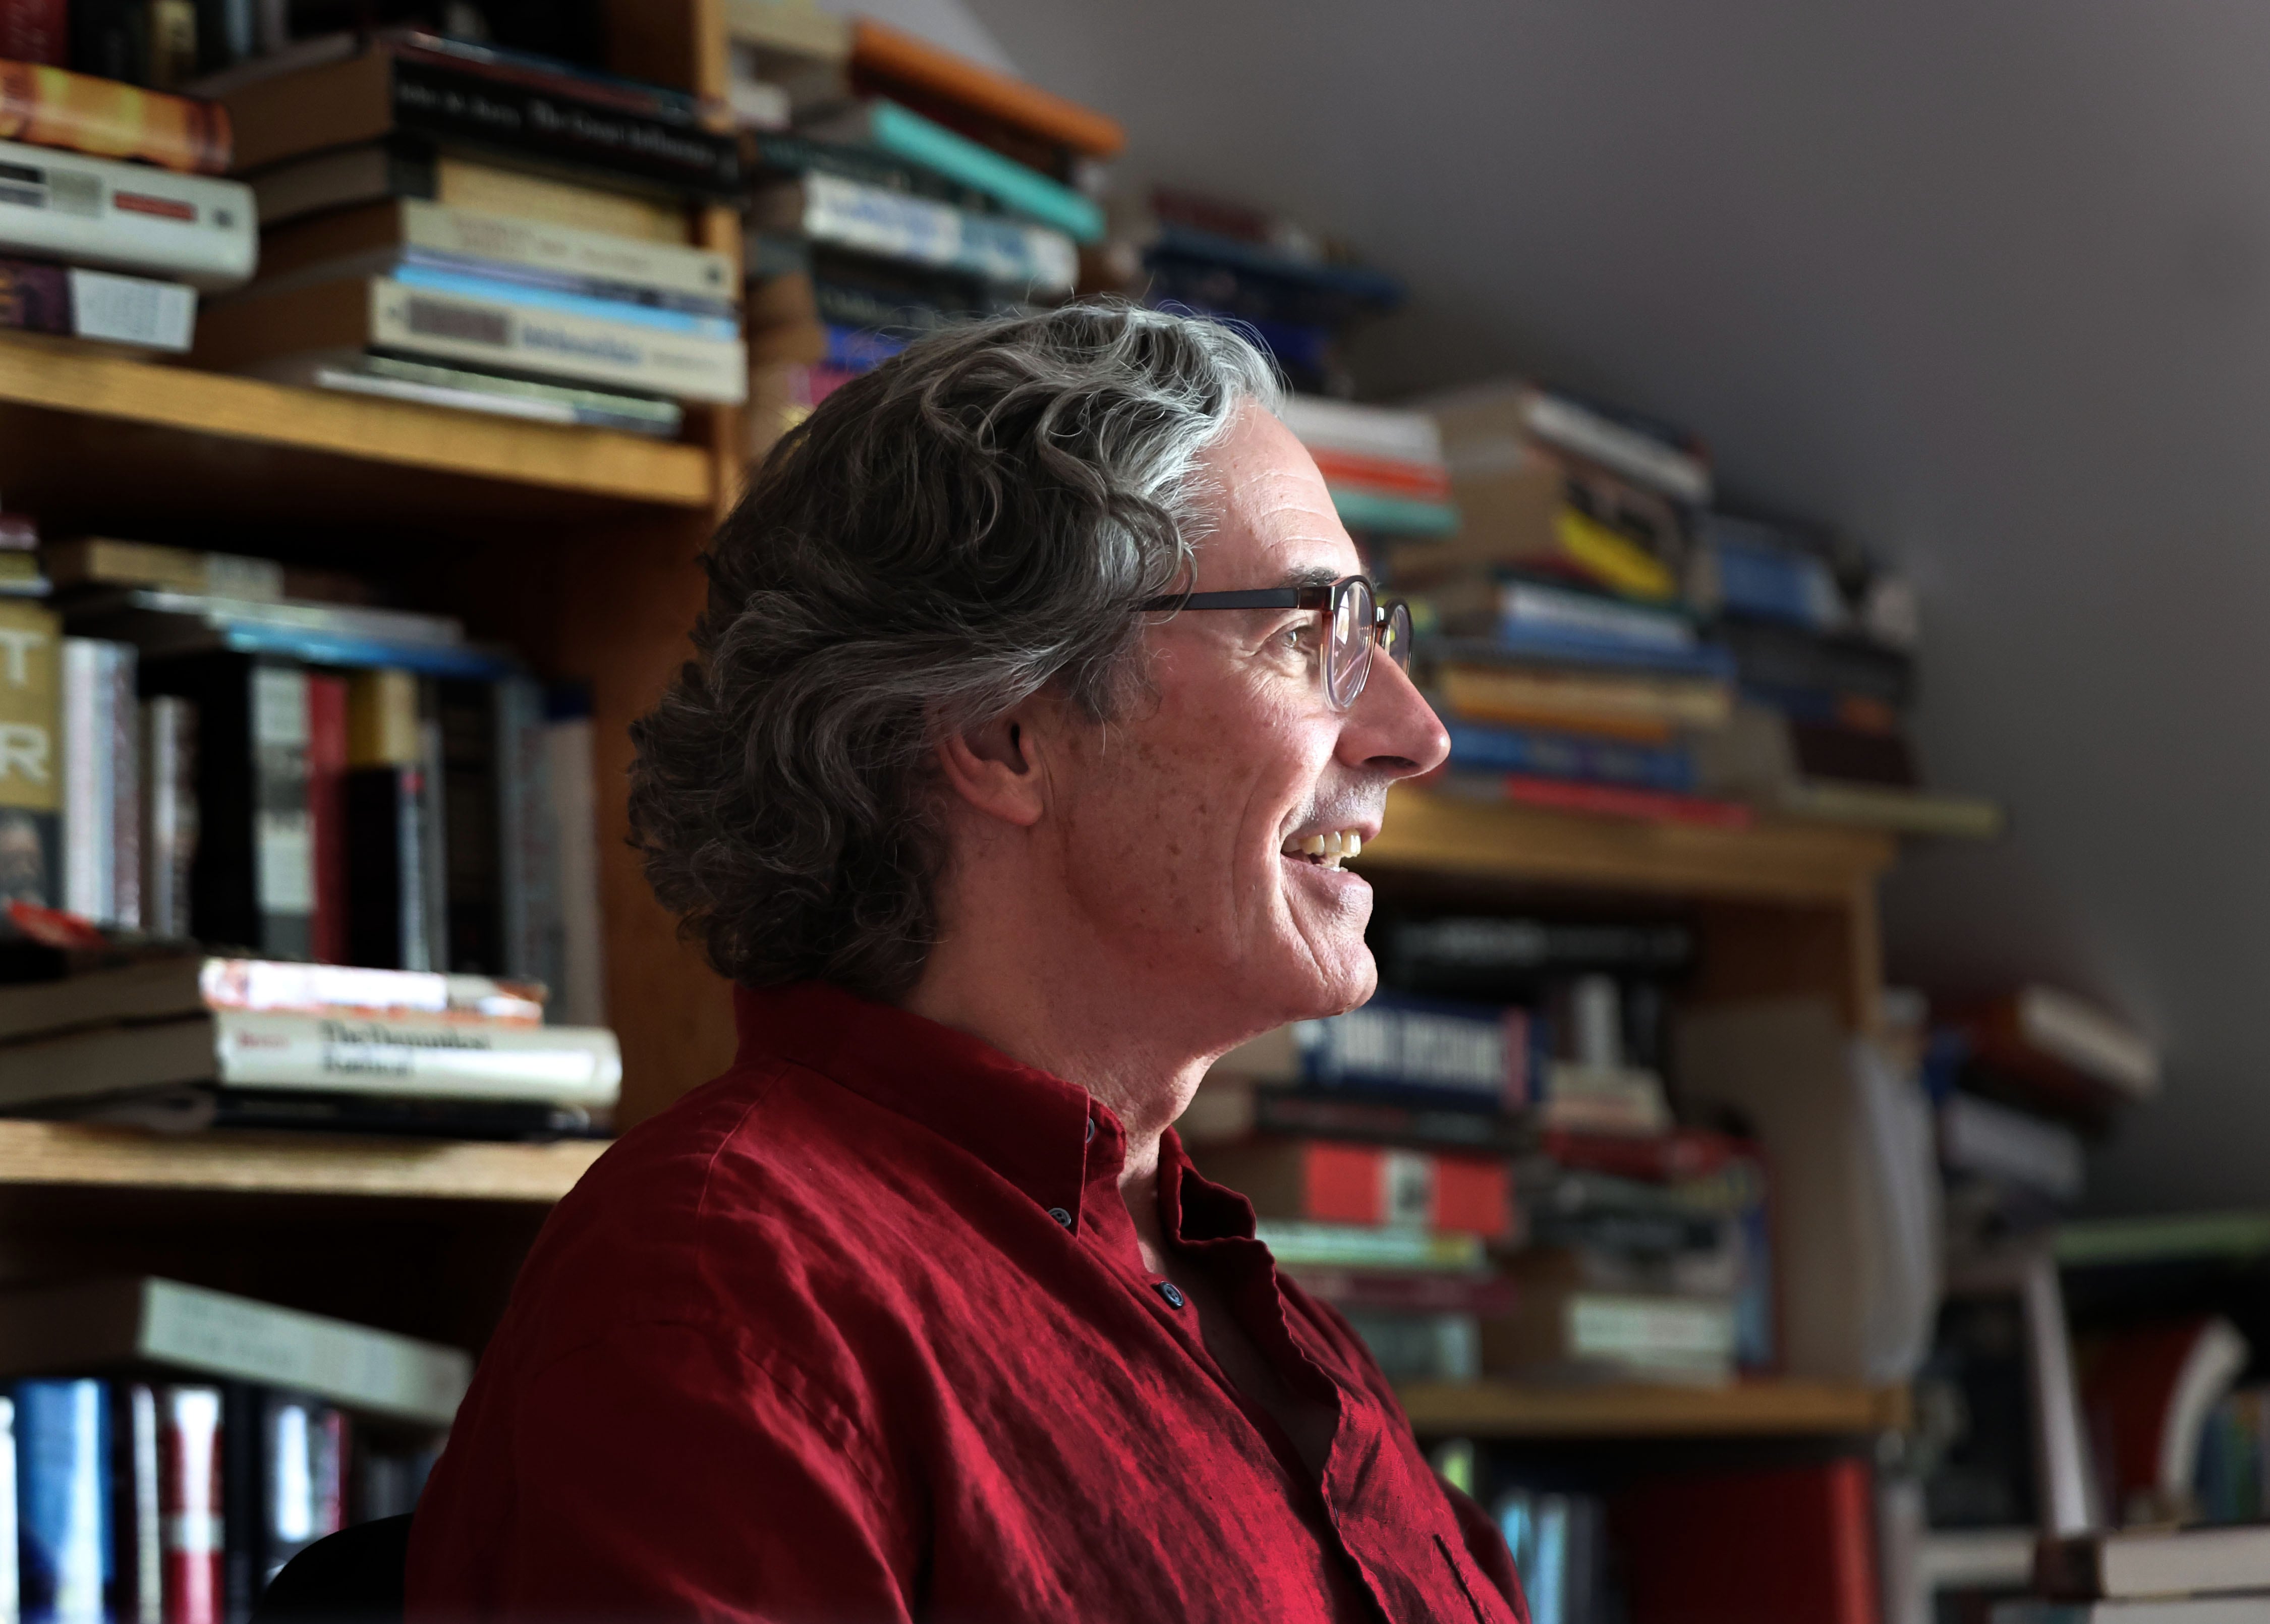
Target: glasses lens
<point>1348,659</point>
<point>1395,637</point>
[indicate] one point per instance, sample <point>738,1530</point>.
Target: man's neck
<point>1082,1024</point>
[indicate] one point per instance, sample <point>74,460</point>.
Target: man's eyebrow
<point>1309,576</point>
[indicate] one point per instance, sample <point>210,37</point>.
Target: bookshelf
<point>1749,1410</point>
<point>580,546</point>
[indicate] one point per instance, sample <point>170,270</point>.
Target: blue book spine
<point>566,282</point>
<point>363,653</point>
<point>63,1475</point>
<point>1480,748</point>
<point>856,349</point>
<point>1424,1050</point>
<point>1771,584</point>
<point>1561,646</point>
<point>530,296</point>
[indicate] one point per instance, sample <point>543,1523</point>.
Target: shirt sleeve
<point>663,1473</point>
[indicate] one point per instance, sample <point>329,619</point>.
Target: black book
<point>252,881</point>
<point>473,843</point>
<point>1771,657</point>
<point>1490,958</point>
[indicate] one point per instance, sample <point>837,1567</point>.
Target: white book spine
<point>132,310</point>
<point>87,801</point>
<point>1626,450</point>
<point>539,245</point>
<point>450,327</point>
<point>123,744</point>
<point>354,1365</point>
<point>127,217</point>
<point>874,220</point>
<point>565,1065</point>
<point>1368,430</point>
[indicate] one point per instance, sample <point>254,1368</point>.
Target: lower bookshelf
<point>67,1154</point>
<point>1750,1409</point>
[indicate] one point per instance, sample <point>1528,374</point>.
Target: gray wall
<point>1984,285</point>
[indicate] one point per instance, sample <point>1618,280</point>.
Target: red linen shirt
<point>860,1330</point>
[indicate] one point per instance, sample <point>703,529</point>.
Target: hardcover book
<point>46,106</point>
<point>126,217</point>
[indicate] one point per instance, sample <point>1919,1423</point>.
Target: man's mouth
<point>1325,850</point>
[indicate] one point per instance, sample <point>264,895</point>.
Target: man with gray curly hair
<point>1038,699</point>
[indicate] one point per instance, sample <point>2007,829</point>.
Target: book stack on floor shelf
<point>251,754</point>
<point>170,1448</point>
<point>1601,639</point>
<point>894,187</point>
<point>468,226</point>
<point>111,218</point>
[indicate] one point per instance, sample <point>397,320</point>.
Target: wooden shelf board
<point>71,1154</point>
<point>1758,1409</point>
<point>46,380</point>
<point>1767,863</point>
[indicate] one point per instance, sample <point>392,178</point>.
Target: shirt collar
<point>1029,1126</point>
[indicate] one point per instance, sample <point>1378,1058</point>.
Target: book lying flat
<point>390,378</point>
<point>325,1054</point>
<point>2139,1563</point>
<point>188,983</point>
<point>150,1323</point>
<point>1297,1243</point>
<point>2165,1610</point>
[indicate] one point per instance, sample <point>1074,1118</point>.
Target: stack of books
<point>1497,1122</point>
<point>164,1037</point>
<point>2021,1083</point>
<point>473,227</point>
<point>910,187</point>
<point>170,1448</point>
<point>1296,293</point>
<point>247,753</point>
<point>2149,1575</point>
<point>1383,467</point>
<point>1600,638</point>
<point>112,221</point>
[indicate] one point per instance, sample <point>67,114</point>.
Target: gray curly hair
<point>944,536</point>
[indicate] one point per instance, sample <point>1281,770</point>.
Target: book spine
<point>31,753</point>
<point>34,32</point>
<point>1362,510</point>
<point>244,1494</point>
<point>1549,754</point>
<point>433,870</point>
<point>919,140</point>
<point>1574,427</point>
<point>126,217</point>
<point>868,220</point>
<point>135,311</point>
<point>1420,1347</point>
<point>45,106</point>
<point>560,1064</point>
<point>447,103</point>
<point>138,1588</point>
<point>190,1505</point>
<point>123,747</point>
<point>86,794</point>
<point>530,295</point>
<point>1616,801</point>
<point>10,1578</point>
<point>169,821</point>
<point>284,847</point>
<point>327,767</point>
<point>571,780</point>
<point>302,1449</point>
<point>593,256</point>
<point>473,845</point>
<point>527,858</point>
<point>1480,1059</point>
<point>417,322</point>
<point>63,1500</point>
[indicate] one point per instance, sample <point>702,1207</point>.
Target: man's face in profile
<point>1183,833</point>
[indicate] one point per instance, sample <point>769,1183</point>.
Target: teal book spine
<point>1366,510</point>
<point>919,141</point>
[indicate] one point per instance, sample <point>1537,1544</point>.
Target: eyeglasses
<point>1356,622</point>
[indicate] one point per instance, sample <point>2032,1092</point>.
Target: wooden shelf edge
<point>1757,1409</point>
<point>590,461</point>
<point>69,1154</point>
<point>1772,862</point>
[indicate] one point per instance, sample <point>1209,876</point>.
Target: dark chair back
<point>353,1576</point>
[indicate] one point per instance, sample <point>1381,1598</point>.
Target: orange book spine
<point>887,51</point>
<point>51,106</point>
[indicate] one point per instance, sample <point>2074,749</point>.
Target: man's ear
<point>995,767</point>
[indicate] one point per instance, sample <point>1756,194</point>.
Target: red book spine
<point>327,812</point>
<point>188,1504</point>
<point>35,31</point>
<point>1616,801</point>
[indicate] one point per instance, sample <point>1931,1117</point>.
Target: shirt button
<point>1061,1216</point>
<point>1091,1129</point>
<point>1172,1293</point>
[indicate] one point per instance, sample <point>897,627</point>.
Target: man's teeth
<point>1331,850</point>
